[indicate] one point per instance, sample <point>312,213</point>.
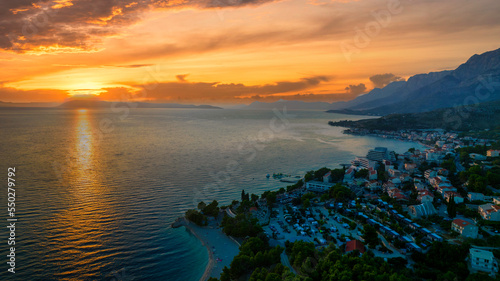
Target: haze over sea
<point>95,195</point>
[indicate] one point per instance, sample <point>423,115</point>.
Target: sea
<point>97,190</point>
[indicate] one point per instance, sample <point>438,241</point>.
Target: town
<point>392,205</point>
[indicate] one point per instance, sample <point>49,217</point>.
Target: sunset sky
<point>232,51</point>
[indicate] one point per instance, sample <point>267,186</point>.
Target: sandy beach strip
<point>221,248</point>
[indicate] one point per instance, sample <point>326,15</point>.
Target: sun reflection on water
<point>88,219</point>
<point>84,148</point>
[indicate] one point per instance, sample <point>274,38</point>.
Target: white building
<point>490,212</point>
<point>465,228</point>
<point>474,196</point>
<point>422,210</point>
<point>493,153</point>
<point>318,186</point>
<point>482,260</point>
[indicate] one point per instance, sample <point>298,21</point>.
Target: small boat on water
<point>268,176</point>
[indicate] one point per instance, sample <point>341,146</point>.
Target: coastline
<point>221,248</point>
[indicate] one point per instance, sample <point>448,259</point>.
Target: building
<point>327,178</point>
<point>490,212</point>
<point>456,196</point>
<point>381,153</point>
<point>349,174</point>
<point>364,162</point>
<point>410,167</point>
<point>465,228</point>
<point>493,153</point>
<point>405,177</point>
<point>424,209</point>
<point>428,174</point>
<point>425,196</point>
<point>474,196</point>
<point>397,194</point>
<point>476,156</point>
<point>372,174</point>
<point>373,185</point>
<point>318,186</point>
<point>482,260</point>
<point>354,245</point>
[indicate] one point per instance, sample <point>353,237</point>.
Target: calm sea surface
<point>96,190</point>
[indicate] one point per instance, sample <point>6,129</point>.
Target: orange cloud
<point>15,95</point>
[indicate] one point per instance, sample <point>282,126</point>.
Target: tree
<point>201,205</point>
<point>196,217</point>
<point>370,235</point>
<point>363,173</point>
<point>245,196</point>
<point>337,175</point>
<point>306,203</point>
<point>271,198</point>
<point>309,176</point>
<point>255,197</point>
<point>340,192</point>
<point>321,172</point>
<point>211,209</point>
<point>452,207</point>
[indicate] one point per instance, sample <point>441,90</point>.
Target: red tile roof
<point>354,245</point>
<point>461,222</point>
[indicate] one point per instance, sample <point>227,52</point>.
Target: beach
<point>221,248</point>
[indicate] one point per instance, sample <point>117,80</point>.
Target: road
<point>286,262</point>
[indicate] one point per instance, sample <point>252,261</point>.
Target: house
<point>456,196</point>
<point>410,167</point>
<point>373,185</point>
<point>419,186</point>
<point>424,209</point>
<point>327,178</point>
<point>425,196</point>
<point>493,153</point>
<point>465,228</point>
<point>490,212</point>
<point>476,156</point>
<point>389,186</point>
<point>349,174</point>
<point>354,245</point>
<point>428,174</point>
<point>394,173</point>
<point>395,180</point>
<point>474,196</point>
<point>397,194</point>
<point>482,260</point>
<point>405,177</point>
<point>372,174</point>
